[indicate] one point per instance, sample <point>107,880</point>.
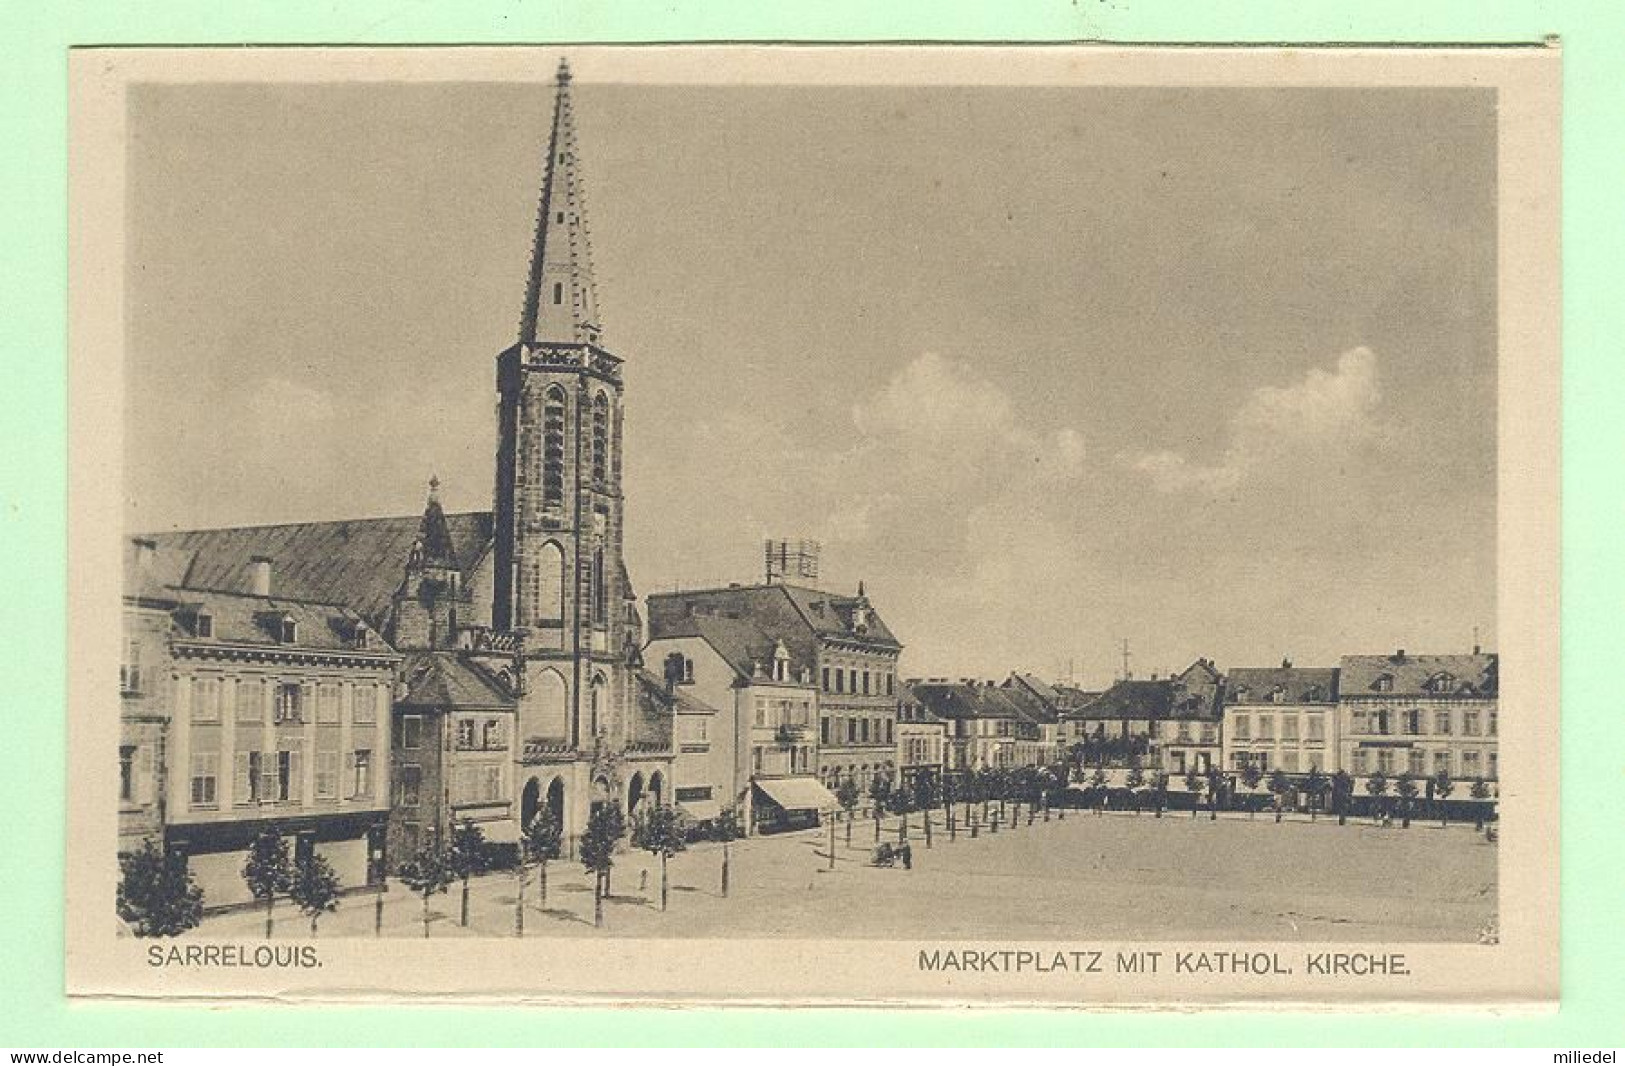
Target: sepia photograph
<point>1051,520</point>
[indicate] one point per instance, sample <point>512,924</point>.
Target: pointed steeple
<point>434,535</point>
<point>561,303</point>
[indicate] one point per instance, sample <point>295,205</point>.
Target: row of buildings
<point>362,685</point>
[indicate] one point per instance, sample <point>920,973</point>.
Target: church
<point>519,688</point>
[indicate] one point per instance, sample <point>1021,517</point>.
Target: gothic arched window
<point>547,585</point>
<point>600,439</point>
<point>553,450</point>
<point>600,594</point>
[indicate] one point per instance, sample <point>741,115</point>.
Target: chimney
<point>259,575</point>
<point>1399,655</point>
<point>145,550</point>
<point>1286,664</point>
<point>1478,649</point>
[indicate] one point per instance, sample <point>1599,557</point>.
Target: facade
<point>1421,715</point>
<point>280,718</point>
<point>145,690</point>
<point>1190,740</point>
<point>1282,718</point>
<point>1167,724</point>
<point>922,742</point>
<point>1038,732</point>
<point>983,723</point>
<point>796,651</point>
<point>528,603</point>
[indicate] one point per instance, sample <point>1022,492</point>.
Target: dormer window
<point>781,663</point>
<point>1278,694</point>
<point>361,636</point>
<point>1441,683</point>
<point>288,630</point>
<point>1385,683</point>
<point>204,625</point>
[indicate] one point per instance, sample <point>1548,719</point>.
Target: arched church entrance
<point>634,793</point>
<point>657,788</point>
<point>555,801</point>
<point>529,800</point>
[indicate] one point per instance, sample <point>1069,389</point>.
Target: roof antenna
<point>1127,674</point>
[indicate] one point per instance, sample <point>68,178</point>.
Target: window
<point>290,787</point>
<point>288,631</point>
<point>1469,723</point>
<point>1289,761</point>
<point>851,730</point>
<point>1469,764</point>
<point>205,782</point>
<point>600,594</point>
<point>1266,727</point>
<point>704,728</point>
<point>1492,716</point>
<point>126,773</point>
<point>1441,722</point>
<point>491,783</point>
<point>553,450</point>
<point>361,773</point>
<point>250,703</point>
<point>823,730</point>
<point>546,585</point>
<point>1317,728</point>
<point>1384,684</point>
<point>327,704</point>
<point>1242,727</point>
<point>757,755</point>
<point>365,708</point>
<point>863,731</point>
<point>492,737</point>
<point>1359,760</point>
<point>289,703</point>
<point>412,732</point>
<point>890,683</point>
<point>129,669</point>
<point>1208,736</point>
<point>410,784</point>
<point>327,775</point>
<point>840,680</point>
<point>1359,723</point>
<point>600,439</point>
<point>1385,760</point>
<point>558,287</point>
<point>826,679</point>
<point>206,699</point>
<point>1184,733</point>
<point>888,725</point>
<point>1381,724</point>
<point>866,682</point>
<point>852,681</point>
<point>1413,723</point>
<point>1289,727</point>
<point>1494,762</point>
<point>465,734</point>
<point>1414,762</point>
<point>205,625</point>
<point>1441,763</point>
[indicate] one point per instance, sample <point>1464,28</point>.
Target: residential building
<point>1168,724</point>
<point>1190,740</point>
<point>987,726</point>
<point>762,743</point>
<point>922,743</point>
<point>1282,718</point>
<point>1419,714</point>
<point>280,719</point>
<point>1038,735</point>
<point>146,686</point>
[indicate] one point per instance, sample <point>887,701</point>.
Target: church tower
<point>559,587</point>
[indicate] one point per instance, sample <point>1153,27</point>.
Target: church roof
<point>356,562</point>
<point>450,680</point>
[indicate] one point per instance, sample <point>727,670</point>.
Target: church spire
<point>561,304</point>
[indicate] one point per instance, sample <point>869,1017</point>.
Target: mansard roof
<point>1421,676</point>
<point>450,680</point>
<point>240,619</point>
<point>801,617</point>
<point>1296,684</point>
<point>740,642</point>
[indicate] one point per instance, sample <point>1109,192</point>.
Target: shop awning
<point>700,810</point>
<point>798,793</point>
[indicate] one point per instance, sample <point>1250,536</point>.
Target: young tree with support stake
<point>1280,785</point>
<point>268,872</point>
<point>1193,785</point>
<point>1252,775</point>
<point>1442,786</point>
<point>1377,787</point>
<point>1342,794</point>
<point>847,795</point>
<point>605,826</point>
<point>156,893</point>
<point>925,794</point>
<point>728,826</point>
<point>1134,783</point>
<point>949,795</point>
<point>543,841</point>
<point>426,873</point>
<point>1314,787</point>
<point>899,800</point>
<point>1215,789</point>
<point>660,831</point>
<point>466,857</point>
<point>1405,787</point>
<point>879,789</point>
<point>314,888</point>
<point>1482,809</point>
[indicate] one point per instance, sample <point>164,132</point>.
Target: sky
<point>1211,371</point>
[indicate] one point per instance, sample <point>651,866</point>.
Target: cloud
<point>1317,418</point>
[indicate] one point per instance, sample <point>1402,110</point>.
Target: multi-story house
<point>1190,740</point>
<point>984,723</point>
<point>1039,734</point>
<point>761,743</point>
<point>837,645</point>
<point>145,687</point>
<point>1419,714</point>
<point>1167,724</point>
<point>922,744</point>
<point>1282,718</point>
<point>280,719</point>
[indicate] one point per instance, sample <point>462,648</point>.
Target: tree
<point>1252,775</point>
<point>846,794</point>
<point>466,857</point>
<point>156,893</point>
<point>314,888</point>
<point>1136,780</point>
<point>1159,792</point>
<point>1442,787</point>
<point>727,827</point>
<point>1215,786</point>
<point>605,826</point>
<point>660,831</point>
<point>949,795</point>
<point>1280,785</point>
<point>1405,787</point>
<point>879,789</point>
<point>426,873</point>
<point>1342,793</point>
<point>899,800</point>
<point>1193,785</point>
<point>1314,787</point>
<point>543,840</point>
<point>1377,786</point>
<point>267,871</point>
<point>1481,792</point>
<point>1097,785</point>
<point>926,795</point>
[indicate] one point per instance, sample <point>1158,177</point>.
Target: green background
<point>38,636</point>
